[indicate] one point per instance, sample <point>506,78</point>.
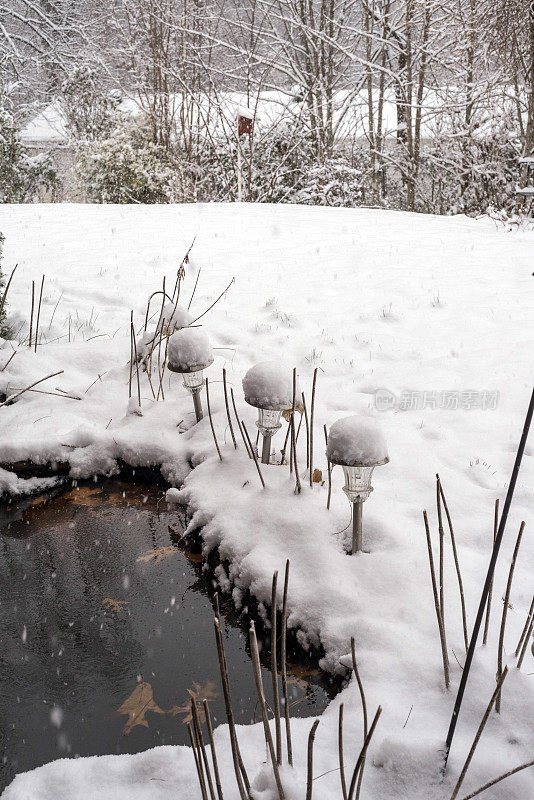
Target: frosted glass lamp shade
<point>268,421</point>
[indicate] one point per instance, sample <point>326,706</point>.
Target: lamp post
<point>358,445</point>
<point>269,388</point>
<point>189,353</point>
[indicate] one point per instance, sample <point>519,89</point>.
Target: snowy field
<point>434,312</point>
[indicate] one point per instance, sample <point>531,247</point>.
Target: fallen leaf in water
<point>114,605</point>
<point>84,496</point>
<point>317,476</point>
<point>198,693</point>
<point>156,555</point>
<point>196,558</point>
<point>301,671</point>
<point>136,706</point>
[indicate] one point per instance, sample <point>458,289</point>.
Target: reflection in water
<point>106,631</point>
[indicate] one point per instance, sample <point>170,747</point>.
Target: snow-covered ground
<point>434,314</point>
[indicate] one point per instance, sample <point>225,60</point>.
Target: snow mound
<point>189,350</point>
<point>174,318</point>
<point>356,441</point>
<point>269,385</point>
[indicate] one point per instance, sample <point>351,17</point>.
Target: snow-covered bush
<point>127,167</point>
<point>91,112</point>
<point>22,175</point>
<point>269,385</point>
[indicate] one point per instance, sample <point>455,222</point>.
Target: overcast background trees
<point>417,104</point>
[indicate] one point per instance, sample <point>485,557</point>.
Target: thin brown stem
<point>254,456</point>
<point>213,304</point>
<point>134,344</point>
<point>307,431</point>
<point>456,563</point>
<point>312,417</point>
<point>363,751</point>
<point>211,420</point>
<point>6,290</point>
<point>239,424</point>
<point>364,708</point>
<point>274,671</point>
<point>525,629</point>
<point>498,780</point>
<point>283,665</point>
<point>194,289</point>
<point>340,749</point>
<point>298,487</point>
<point>236,756</point>
<point>436,604</point>
<point>261,697</point>
<point>505,612</point>
<point>39,312</point>
<point>479,734</point>
<point>198,764</point>
<point>488,607</point>
<point>31,315</point>
<point>441,534</point>
<point>12,399</point>
<point>228,409</point>
<point>309,779</point>
<point>213,750</point>
<point>525,643</point>
<point>200,742</point>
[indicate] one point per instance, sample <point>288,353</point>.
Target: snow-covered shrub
<point>22,175</point>
<point>91,112</point>
<point>127,167</point>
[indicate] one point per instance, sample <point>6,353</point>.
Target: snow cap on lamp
<point>358,445</point>
<point>268,386</point>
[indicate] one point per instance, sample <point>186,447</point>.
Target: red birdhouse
<point>244,125</point>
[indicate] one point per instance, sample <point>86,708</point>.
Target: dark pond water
<point>102,607</point>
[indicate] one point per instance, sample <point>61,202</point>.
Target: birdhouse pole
<point>244,127</point>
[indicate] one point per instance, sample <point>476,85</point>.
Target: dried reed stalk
<point>441,627</point>
<point>283,665</point>
<point>31,316</point>
<point>274,671</point>
<point>239,769</point>
<point>309,778</point>
<point>488,607</point>
<point>194,289</point>
<point>239,424</point>
<point>211,420</point>
<point>479,734</point>
<point>441,535</point>
<point>456,562</point>
<point>6,290</point>
<point>254,456</point>
<point>12,399</point>
<point>505,612</point>
<point>525,643</point>
<point>525,629</point>
<point>363,751</point>
<point>213,304</point>
<point>261,697</point>
<point>298,486</point>
<point>198,763</point>
<point>312,417</point>
<point>498,780</point>
<point>228,409</point>
<point>213,750</point>
<point>341,757</point>
<point>200,741</point>
<point>307,431</point>
<point>39,312</point>
<point>134,344</point>
<point>364,709</point>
